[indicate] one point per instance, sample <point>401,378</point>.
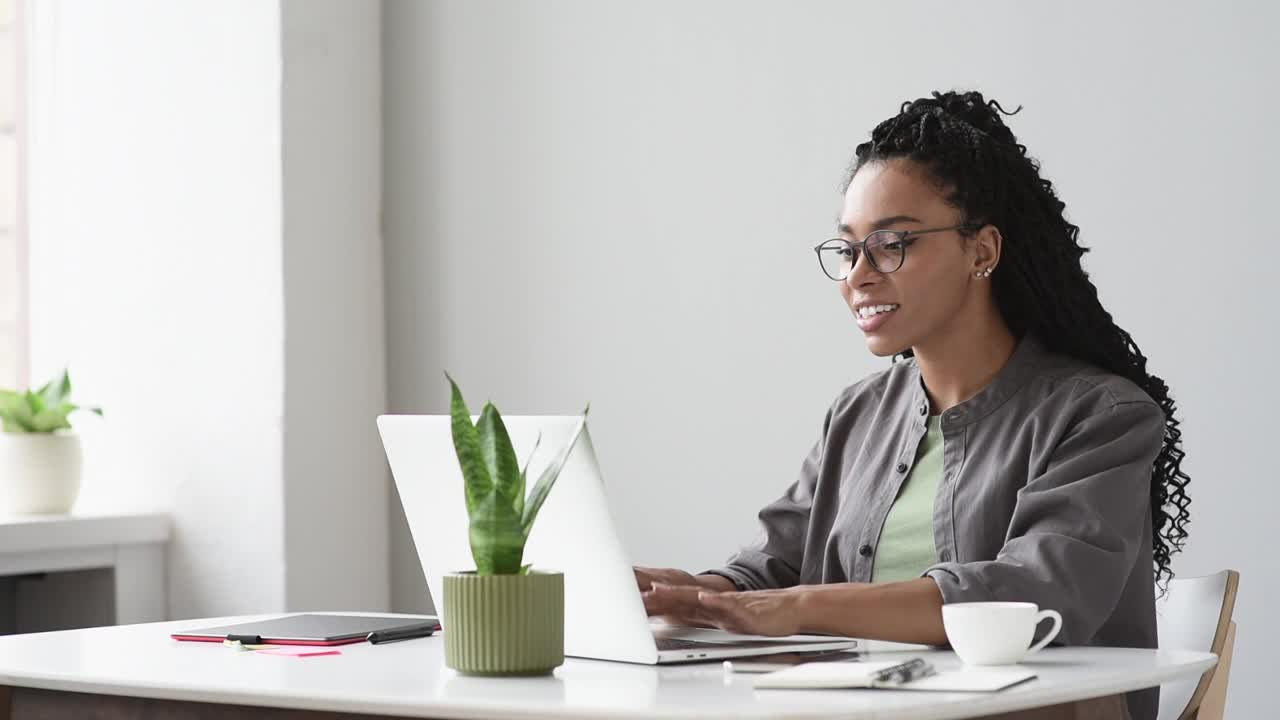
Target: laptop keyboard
<point>681,644</point>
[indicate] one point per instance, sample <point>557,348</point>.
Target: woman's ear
<point>987,244</point>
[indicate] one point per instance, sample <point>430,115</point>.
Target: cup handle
<point>1057,625</point>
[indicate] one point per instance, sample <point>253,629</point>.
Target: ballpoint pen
<point>906,672</point>
<point>403,633</point>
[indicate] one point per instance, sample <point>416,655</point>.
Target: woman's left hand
<point>771,613</point>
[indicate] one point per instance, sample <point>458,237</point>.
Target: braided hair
<point>974,158</point>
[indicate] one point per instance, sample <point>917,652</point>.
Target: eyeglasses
<point>886,249</point>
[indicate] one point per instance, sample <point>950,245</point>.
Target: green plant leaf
<point>545,482</point>
<point>500,515</point>
<point>538,496</point>
<point>49,420</point>
<point>18,415</point>
<point>524,569</point>
<point>497,543</point>
<point>57,391</point>
<point>40,411</point>
<point>466,443</point>
<point>500,458</point>
<point>10,401</point>
<point>524,476</point>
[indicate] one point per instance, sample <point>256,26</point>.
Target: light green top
<point>906,540</point>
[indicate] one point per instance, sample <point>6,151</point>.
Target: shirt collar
<point>1023,363</point>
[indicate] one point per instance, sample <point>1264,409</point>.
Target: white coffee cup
<point>996,633</point>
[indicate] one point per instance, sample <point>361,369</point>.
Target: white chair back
<point>1193,615</point>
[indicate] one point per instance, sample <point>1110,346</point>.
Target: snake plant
<point>40,411</point>
<point>501,516</point>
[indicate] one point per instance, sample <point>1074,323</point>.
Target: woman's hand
<point>909,611</point>
<point>675,604</point>
<point>671,609</point>
<point>758,612</point>
<point>676,608</point>
<point>647,576</point>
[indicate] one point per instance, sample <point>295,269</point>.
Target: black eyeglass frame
<point>906,237</point>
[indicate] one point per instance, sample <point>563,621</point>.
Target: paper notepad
<point>859,675</point>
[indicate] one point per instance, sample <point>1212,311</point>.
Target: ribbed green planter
<point>504,624</point>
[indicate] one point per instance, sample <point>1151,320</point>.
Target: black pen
<point>407,632</point>
<point>913,669</point>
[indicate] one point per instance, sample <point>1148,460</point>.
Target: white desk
<point>408,679</point>
<point>132,546</point>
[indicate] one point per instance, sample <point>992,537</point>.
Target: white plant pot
<point>39,472</point>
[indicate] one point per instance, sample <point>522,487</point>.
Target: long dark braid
<point>1040,286</point>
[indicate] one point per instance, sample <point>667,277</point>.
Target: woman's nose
<point>861,272</point>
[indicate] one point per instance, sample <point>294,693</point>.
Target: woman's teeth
<point>870,310</point>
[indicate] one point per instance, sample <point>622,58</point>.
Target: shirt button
<point>923,409</point>
<point>902,467</point>
<point>865,551</point>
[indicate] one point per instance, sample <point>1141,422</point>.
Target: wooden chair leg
<point>1214,703</point>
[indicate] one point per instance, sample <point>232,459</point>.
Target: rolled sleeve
<point>1077,528</point>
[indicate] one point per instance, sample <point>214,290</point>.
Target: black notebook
<point>304,629</point>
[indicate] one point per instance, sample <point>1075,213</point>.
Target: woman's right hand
<point>647,576</point>
<point>677,602</point>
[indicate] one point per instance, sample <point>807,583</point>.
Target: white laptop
<point>574,534</point>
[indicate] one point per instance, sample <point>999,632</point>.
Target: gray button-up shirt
<point>1045,496</point>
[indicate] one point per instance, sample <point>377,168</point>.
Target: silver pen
<point>913,669</point>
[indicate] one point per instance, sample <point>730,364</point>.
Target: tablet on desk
<point>782,661</point>
<point>306,629</point>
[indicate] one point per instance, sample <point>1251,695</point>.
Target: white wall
<point>156,273</point>
<point>206,256</point>
<point>615,203</point>
<point>336,490</point>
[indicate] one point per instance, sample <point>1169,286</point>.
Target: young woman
<point>1016,448</point>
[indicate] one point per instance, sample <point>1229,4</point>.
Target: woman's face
<point>934,283</point>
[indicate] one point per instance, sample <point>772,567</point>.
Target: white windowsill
<point>28,533</point>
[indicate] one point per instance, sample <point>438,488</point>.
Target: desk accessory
<point>503,617</point>
<point>915,674</point>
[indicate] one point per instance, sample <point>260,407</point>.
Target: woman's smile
<point>872,317</point>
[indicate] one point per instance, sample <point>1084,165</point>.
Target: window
<point>13,333</point>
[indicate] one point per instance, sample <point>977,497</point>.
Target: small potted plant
<point>39,455</point>
<point>503,618</point>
